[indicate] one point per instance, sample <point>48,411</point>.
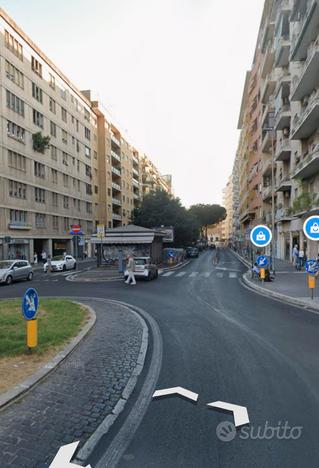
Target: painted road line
<point>232,274</point>
<point>220,275</point>
<point>169,273</point>
<point>180,274</point>
<point>240,412</point>
<point>207,274</point>
<point>192,275</point>
<point>176,391</point>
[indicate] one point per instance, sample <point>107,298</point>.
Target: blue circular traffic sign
<point>312,266</point>
<point>311,228</point>
<point>261,235</point>
<point>262,261</point>
<point>30,304</point>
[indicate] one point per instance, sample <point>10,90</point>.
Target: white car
<point>61,263</point>
<point>144,268</point>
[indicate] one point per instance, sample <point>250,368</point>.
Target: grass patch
<point>58,321</point>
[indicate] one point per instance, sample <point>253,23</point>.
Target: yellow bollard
<point>32,333</point>
<point>311,282</point>
<point>262,273</point>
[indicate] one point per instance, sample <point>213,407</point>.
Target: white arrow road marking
<point>192,275</point>
<point>64,455</point>
<point>232,274</point>
<point>240,412</point>
<point>182,273</point>
<point>169,273</point>
<point>207,274</point>
<point>176,391</point>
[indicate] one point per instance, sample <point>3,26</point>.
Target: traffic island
<point>83,396</point>
<point>59,321</point>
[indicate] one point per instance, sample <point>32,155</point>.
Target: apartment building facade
<point>61,161</point>
<point>288,42</point>
<point>152,179</point>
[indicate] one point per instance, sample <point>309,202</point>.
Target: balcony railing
<point>116,216</point>
<point>309,165</point>
<point>135,172</point>
<point>135,160</point>
<point>135,183</point>
<point>115,171</point>
<point>298,36</point>
<point>115,140</point>
<point>306,81</point>
<point>115,156</point>
<point>283,116</point>
<point>116,201</point>
<point>283,149</point>
<point>283,213</point>
<point>305,123</point>
<point>116,186</point>
<point>266,192</point>
<point>19,225</point>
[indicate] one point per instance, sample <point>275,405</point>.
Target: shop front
<point>59,246</point>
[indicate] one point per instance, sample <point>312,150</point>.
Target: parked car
<point>13,270</point>
<point>144,268</point>
<point>192,252</point>
<point>61,263</point>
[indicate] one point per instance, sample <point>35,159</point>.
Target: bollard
<point>311,284</point>
<point>32,333</point>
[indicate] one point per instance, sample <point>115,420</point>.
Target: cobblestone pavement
<point>70,404</point>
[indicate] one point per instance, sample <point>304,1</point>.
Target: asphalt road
<point>225,343</point>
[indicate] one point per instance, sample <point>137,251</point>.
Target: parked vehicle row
<point>13,270</point>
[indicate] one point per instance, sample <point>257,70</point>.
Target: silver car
<point>13,270</point>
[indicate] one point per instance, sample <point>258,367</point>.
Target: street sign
<point>261,236</point>
<point>100,231</point>
<point>311,228</point>
<point>30,304</point>
<point>312,266</point>
<point>76,230</point>
<point>171,253</point>
<point>262,261</point>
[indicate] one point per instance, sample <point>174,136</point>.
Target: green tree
<point>161,209</point>
<point>208,214</point>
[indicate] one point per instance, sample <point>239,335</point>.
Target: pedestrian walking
<point>217,258</point>
<point>130,268</point>
<point>295,255</point>
<point>49,264</point>
<point>301,256</point>
<point>35,258</point>
<point>44,256</point>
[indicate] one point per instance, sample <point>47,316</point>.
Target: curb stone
<point>19,390</point>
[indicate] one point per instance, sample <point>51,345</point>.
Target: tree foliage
<point>208,214</point>
<point>161,209</point>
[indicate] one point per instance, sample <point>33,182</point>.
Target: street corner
<point>95,275</point>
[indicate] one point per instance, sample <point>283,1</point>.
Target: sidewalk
<point>289,285</point>
<point>89,388</point>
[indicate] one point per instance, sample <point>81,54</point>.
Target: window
<point>87,152</point>
<point>65,202</point>
<point>16,160</point>
<point>64,137</point>
<point>95,155</point>
<point>54,176</point>
<point>77,125</point>
<point>52,129</point>
<point>37,93</point>
<point>65,158</point>
<point>17,189</point>
<point>14,103</point>
<point>66,224</point>
<point>40,220</point>
<point>39,195</point>
<point>18,216</point>
<point>87,133</point>
<point>51,81</point>
<point>63,114</point>
<point>55,222</point>
<point>15,131</point>
<point>96,189</point>
<point>87,115</point>
<point>88,207</point>
<point>52,105</point>
<point>63,93</point>
<point>14,74</point>
<point>65,180</point>
<point>36,66</point>
<point>77,146</point>
<point>88,189</point>
<point>88,171</point>
<point>78,165</point>
<point>79,186</point>
<point>37,118</point>
<point>109,192</point>
<point>39,170</point>
<point>55,199</point>
<point>54,153</point>
<point>12,44</point>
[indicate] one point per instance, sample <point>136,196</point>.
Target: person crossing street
<point>130,268</point>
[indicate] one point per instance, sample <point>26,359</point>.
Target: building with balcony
<point>152,179</point>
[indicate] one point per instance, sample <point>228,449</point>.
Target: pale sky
<point>170,72</point>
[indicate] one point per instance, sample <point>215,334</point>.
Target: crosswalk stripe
<point>192,275</point>
<point>180,274</point>
<point>220,275</point>
<point>232,274</point>
<point>169,273</point>
<point>207,274</point>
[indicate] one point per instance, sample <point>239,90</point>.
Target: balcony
<point>136,196</point>
<point>116,172</point>
<point>115,156</point>
<point>21,225</point>
<point>268,60</point>
<point>283,214</point>
<point>268,88</point>
<point>309,165</point>
<point>267,141</point>
<point>135,183</point>
<point>308,78</point>
<point>116,186</point>
<point>308,32</point>
<point>247,215</point>
<point>284,184</point>
<point>116,202</point>
<point>117,216</point>
<point>135,172</point>
<point>282,51</point>
<point>283,150</point>
<point>266,193</point>
<point>283,116</point>
<point>306,123</point>
<point>115,140</point>
<point>135,160</point>
<point>266,166</point>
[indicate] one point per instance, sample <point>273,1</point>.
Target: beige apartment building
<point>228,204</point>
<point>61,161</point>
<point>288,41</point>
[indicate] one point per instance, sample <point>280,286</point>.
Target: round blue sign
<point>311,228</point>
<point>312,266</point>
<point>30,304</point>
<point>261,236</point>
<point>171,253</point>
<point>262,261</point>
